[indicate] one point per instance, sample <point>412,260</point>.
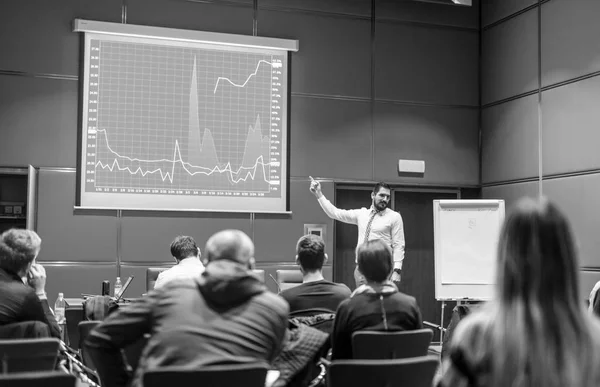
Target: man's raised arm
<point>346,216</point>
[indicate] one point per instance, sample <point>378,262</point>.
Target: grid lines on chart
<point>151,111</point>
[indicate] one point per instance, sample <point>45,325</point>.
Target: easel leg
<point>442,323</point>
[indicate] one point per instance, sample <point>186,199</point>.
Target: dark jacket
<point>384,309</point>
<point>225,316</point>
<point>19,303</point>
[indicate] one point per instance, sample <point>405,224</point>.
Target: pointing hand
<point>315,187</point>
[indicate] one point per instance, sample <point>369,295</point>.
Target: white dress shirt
<point>186,268</point>
<point>387,226</point>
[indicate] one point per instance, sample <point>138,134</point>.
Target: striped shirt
<point>387,226</point>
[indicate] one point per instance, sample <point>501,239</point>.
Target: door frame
<point>368,186</point>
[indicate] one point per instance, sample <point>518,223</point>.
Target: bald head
<point>233,245</point>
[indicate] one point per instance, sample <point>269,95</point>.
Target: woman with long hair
<point>536,331</point>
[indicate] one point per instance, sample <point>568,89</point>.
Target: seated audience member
<point>20,302</point>
<point>187,254</point>
<point>376,305</point>
<point>226,315</point>
<point>535,332</point>
<point>314,292</point>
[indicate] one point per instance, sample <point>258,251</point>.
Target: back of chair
<point>288,278</point>
<point>38,379</point>
<point>84,328</point>
<point>151,276</point>
<point>24,330</point>
<point>390,345</point>
<point>28,355</point>
<point>232,375</point>
<point>415,372</point>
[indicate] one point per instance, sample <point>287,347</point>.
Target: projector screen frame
<point>92,28</point>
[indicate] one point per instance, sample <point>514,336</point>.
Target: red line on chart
<point>247,80</point>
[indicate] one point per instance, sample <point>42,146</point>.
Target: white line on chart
<point>178,159</point>
<point>247,80</point>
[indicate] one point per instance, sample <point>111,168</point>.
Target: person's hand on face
<point>36,277</point>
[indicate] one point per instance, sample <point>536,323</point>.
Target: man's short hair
<point>380,185</point>
<point>311,252</point>
<point>18,248</point>
<point>183,247</point>
<point>375,260</point>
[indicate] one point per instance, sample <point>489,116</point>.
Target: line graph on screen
<point>183,121</point>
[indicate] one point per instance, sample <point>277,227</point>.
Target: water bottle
<point>59,309</point>
<point>59,314</point>
<point>118,287</point>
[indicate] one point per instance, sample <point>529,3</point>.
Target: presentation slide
<point>172,125</point>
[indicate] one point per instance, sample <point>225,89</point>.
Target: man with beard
<point>375,222</point>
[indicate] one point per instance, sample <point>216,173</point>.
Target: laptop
<point>123,289</point>
<point>118,297</point>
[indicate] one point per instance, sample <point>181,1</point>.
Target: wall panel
<point>147,237</point>
<point>570,45</point>
<point>446,139</point>
<point>510,140</point>
<point>330,138</point>
<point>510,58</point>
<point>424,12</point>
<point>332,51</point>
<point>70,236</point>
<point>37,35</point>
<point>236,19</point>
<point>510,193</point>
<point>577,197</point>
<point>38,121</point>
<point>72,280</point>
<point>494,10</point>
<point>421,64</point>
<point>570,136</point>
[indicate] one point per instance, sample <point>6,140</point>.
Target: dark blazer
<point>19,303</point>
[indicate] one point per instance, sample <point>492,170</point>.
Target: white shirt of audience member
<point>190,267</point>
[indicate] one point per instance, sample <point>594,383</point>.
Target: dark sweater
<point>19,303</point>
<point>225,316</point>
<point>322,295</point>
<point>364,312</point>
